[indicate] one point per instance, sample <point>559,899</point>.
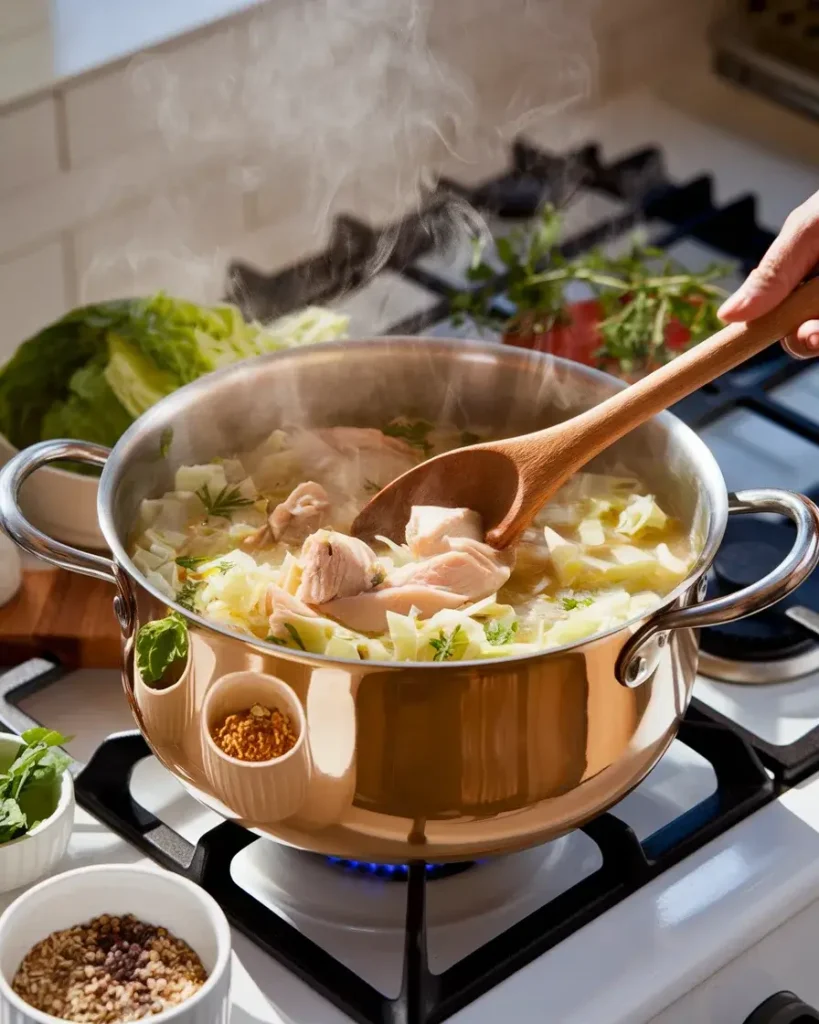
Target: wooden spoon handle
<point>596,429</point>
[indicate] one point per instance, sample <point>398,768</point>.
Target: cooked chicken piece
<point>335,565</point>
<point>292,520</point>
<point>367,613</point>
<point>470,569</point>
<point>281,607</point>
<point>353,463</point>
<point>430,526</point>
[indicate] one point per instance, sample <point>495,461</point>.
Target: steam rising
<point>331,106</point>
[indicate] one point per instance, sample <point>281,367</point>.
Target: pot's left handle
<point>12,477</point>
<point>639,656</point>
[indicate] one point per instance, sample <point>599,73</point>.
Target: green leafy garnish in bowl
<point>30,782</point>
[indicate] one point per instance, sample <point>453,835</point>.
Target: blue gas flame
<point>394,872</point>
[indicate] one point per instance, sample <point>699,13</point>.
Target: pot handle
<point>12,477</point>
<point>640,654</point>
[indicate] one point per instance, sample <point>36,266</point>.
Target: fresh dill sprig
<point>449,645</point>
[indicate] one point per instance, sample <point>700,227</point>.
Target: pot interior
<point>367,383</point>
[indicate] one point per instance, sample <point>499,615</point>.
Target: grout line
<point>61,128</point>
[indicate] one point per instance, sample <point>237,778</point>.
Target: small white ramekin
<point>153,896</point>
<point>24,860</point>
<point>260,792</point>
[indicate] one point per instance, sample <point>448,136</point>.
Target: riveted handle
<point>639,656</point>
<point>12,477</point>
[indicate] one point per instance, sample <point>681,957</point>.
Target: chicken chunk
<point>301,513</point>
<point>367,613</point>
<point>335,565</point>
<point>469,568</point>
<point>430,526</point>
<point>353,463</point>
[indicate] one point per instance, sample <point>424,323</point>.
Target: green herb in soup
<point>260,543</point>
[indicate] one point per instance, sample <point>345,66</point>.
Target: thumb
<point>788,260</point>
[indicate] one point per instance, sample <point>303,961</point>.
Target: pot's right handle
<point>12,477</point>
<point>639,655</point>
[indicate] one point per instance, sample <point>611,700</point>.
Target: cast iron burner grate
<point>103,789</point>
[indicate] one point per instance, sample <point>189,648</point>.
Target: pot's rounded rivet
<point>121,612</point>
<point>662,639</point>
<point>635,670</point>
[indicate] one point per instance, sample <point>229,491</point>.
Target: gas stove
<point>695,898</point>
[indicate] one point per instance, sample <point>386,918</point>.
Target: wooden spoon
<point>509,481</point>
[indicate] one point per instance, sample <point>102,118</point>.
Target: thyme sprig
<point>640,293</point>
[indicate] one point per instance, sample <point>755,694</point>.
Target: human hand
<point>791,257</point>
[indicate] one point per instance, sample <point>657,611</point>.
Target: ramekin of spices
<point>114,943</point>
<point>255,747</point>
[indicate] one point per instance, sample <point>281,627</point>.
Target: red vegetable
<point>579,339</point>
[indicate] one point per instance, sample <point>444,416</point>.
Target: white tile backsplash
<point>32,294</point>
<point>28,146</point>
<point>175,99</point>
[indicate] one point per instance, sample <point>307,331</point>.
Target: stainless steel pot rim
<point>169,408</point>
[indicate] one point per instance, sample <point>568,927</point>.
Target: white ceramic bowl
<point>153,896</point>
<point>62,504</point>
<point>24,860</point>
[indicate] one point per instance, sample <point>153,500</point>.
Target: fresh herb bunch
<point>640,294</point>
<point>28,786</point>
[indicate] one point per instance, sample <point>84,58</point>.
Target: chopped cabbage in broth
<point>260,544</point>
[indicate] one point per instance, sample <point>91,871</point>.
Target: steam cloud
<point>346,106</point>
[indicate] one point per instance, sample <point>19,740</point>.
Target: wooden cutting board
<point>64,614</point>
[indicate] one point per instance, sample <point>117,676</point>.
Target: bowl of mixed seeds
<point>115,943</point>
<point>255,747</point>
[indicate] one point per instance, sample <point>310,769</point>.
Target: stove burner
<point>768,647</point>
<point>398,872</point>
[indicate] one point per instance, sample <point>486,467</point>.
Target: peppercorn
<point>256,734</point>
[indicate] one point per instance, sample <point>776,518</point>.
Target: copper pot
<point>438,761</point>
